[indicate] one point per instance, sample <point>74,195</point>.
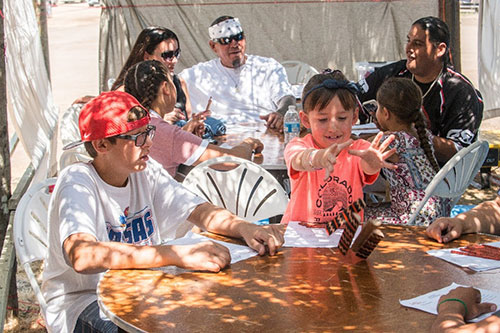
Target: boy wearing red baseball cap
<point>115,211</point>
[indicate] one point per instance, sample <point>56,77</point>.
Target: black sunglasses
<point>140,138</point>
<point>169,55</point>
<point>227,40</point>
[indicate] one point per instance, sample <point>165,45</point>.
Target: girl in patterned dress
<point>400,113</point>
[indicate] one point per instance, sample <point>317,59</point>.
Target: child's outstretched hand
<point>374,158</point>
<point>327,157</point>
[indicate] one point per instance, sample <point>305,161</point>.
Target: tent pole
<point>5,190</point>
<point>44,33</point>
<point>449,11</point>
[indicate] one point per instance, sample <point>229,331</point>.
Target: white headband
<point>227,28</point>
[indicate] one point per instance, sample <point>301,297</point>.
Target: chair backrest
<point>247,190</point>
<point>455,176</point>
<point>71,156</point>
<point>69,132</point>
<point>298,72</point>
<point>30,230</point>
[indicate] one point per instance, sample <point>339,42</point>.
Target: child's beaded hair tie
<point>334,84</point>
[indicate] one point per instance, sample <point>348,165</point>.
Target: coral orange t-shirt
<point>315,200</point>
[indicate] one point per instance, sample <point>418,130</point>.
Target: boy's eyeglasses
<point>227,40</point>
<point>169,55</point>
<point>140,138</point>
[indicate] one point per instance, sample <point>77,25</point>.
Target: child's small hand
<point>173,116</point>
<point>327,157</point>
<point>195,125</point>
<point>374,158</point>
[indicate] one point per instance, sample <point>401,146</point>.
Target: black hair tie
<point>334,84</point>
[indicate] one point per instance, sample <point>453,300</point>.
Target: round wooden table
<point>298,290</point>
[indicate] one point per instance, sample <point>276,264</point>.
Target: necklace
<point>430,87</point>
<point>234,75</point>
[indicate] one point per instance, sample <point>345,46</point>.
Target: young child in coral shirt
<point>327,168</point>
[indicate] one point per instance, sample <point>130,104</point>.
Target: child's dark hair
<point>318,94</point>
<point>146,42</point>
<point>403,98</point>
<point>143,81</point>
<point>134,114</point>
<point>438,33</point>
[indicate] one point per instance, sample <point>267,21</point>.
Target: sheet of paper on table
<point>238,252</point>
<point>428,302</point>
<point>369,128</point>
<point>297,235</point>
<point>242,128</point>
<point>474,263</point>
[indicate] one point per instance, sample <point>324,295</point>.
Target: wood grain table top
<point>298,290</point>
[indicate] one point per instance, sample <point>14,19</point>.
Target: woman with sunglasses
<point>162,44</point>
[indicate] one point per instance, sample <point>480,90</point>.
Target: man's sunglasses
<point>169,55</point>
<point>140,138</point>
<point>227,40</point>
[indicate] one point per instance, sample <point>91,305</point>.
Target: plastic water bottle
<point>291,124</point>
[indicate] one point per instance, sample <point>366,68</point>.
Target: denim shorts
<point>90,321</point>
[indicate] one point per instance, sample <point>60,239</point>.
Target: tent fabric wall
<point>30,104</point>
<point>489,57</point>
<point>334,34</point>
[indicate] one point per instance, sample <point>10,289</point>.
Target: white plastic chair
<point>298,72</point>
<point>71,156</point>
<point>69,132</point>
<point>30,231</point>
<point>455,176</point>
<point>247,190</point>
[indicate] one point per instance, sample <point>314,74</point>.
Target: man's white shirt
<point>238,95</point>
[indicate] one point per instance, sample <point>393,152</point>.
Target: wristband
<point>307,159</point>
<point>454,300</point>
<point>310,158</point>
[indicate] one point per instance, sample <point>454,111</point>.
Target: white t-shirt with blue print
<point>152,208</point>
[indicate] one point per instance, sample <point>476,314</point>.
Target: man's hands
<point>247,147</point>
<point>471,297</point>
<point>274,120</point>
<point>452,314</point>
<point>205,256</point>
<point>445,229</point>
<point>263,238</point>
<point>374,158</point>
<point>256,145</point>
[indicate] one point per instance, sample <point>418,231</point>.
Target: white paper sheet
<point>238,252</point>
<point>297,235</point>
<point>474,263</point>
<point>428,302</point>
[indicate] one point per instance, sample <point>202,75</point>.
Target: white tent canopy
<point>30,104</point>
<point>334,34</point>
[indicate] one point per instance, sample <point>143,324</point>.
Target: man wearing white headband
<point>244,88</point>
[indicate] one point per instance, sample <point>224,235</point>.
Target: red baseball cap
<point>107,115</point>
